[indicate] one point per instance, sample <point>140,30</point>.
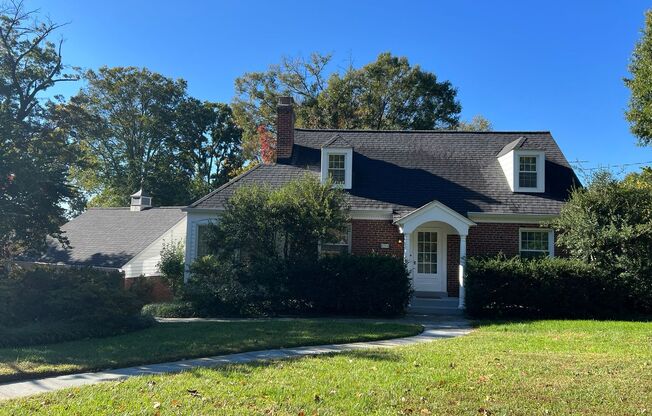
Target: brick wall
<point>284,128</point>
<point>452,263</point>
<point>160,291</point>
<point>368,235</point>
<point>493,238</point>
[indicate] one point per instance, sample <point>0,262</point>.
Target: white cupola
<point>140,201</point>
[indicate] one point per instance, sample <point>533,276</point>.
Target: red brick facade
<point>484,239</point>
<point>490,239</point>
<point>368,235</point>
<point>452,264</point>
<point>160,291</point>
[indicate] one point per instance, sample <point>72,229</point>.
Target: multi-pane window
<point>202,240</point>
<point>527,172</point>
<point>535,243</point>
<point>336,168</point>
<point>427,252</point>
<point>340,245</point>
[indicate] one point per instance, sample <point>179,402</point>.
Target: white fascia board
<point>202,210</point>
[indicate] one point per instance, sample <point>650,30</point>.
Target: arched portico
<point>425,230</point>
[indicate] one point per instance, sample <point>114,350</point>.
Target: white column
<point>462,269</point>
<point>407,254</point>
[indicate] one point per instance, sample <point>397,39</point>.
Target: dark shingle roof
<point>110,237</point>
<point>404,170</point>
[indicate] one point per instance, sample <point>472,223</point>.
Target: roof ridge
<point>429,131</point>
<point>226,185</point>
<point>148,209</point>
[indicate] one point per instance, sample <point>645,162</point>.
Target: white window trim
<point>348,237</point>
<point>348,164</point>
<point>541,171</point>
<point>551,240</point>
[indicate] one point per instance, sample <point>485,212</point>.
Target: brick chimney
<point>284,128</point>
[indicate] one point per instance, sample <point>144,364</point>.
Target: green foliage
<point>138,128</point>
<point>352,285</point>
<point>639,112</point>
<point>388,93</point>
<point>341,285</point>
<point>263,223</point>
<point>609,224</point>
<point>79,296</point>
<point>34,155</point>
<point>176,309</point>
<point>265,258</point>
<point>540,288</point>
<point>171,265</point>
<point>477,123</point>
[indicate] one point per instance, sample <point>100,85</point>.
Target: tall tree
<point>386,94</point>
<point>34,156</point>
<point>639,113</point>
<point>125,120</point>
<point>257,95</point>
<point>477,123</point>
<point>210,143</point>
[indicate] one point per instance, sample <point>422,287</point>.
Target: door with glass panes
<point>428,268</point>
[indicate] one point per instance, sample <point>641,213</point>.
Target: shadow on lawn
<point>486,322</point>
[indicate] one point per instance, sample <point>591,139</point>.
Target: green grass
<point>539,368</point>
<point>175,341</point>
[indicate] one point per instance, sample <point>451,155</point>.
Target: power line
<point>579,165</point>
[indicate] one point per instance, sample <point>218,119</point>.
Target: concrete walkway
<point>439,329</point>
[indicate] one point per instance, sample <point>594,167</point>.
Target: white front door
<point>428,269</point>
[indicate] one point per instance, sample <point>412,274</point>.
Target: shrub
<point>171,266</point>
<point>177,309</point>
<point>341,285</point>
<point>230,288</point>
<point>354,285</point>
<point>80,296</point>
<point>546,287</point>
<point>609,224</point>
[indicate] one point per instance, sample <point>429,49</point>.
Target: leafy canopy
<point>609,224</point>
<point>140,129</point>
<point>388,93</point>
<point>34,155</point>
<point>288,222</point>
<point>639,112</point>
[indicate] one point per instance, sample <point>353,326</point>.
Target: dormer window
<point>527,172</point>
<point>337,168</point>
<point>524,168</point>
<point>337,165</point>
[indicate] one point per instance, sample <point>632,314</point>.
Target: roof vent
<point>140,201</point>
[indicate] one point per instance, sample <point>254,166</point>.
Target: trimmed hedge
<point>66,303</point>
<point>340,285</point>
<point>354,285</point>
<point>176,309</point>
<point>541,288</point>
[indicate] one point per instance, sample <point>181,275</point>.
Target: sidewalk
<point>432,331</point>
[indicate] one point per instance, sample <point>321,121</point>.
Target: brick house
<point>430,197</point>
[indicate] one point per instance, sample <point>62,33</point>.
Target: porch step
<point>431,306</point>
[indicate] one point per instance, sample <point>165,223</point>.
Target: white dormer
<point>139,201</point>
<point>337,162</point>
<point>524,169</point>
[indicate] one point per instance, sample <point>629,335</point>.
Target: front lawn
<point>175,341</point>
<point>539,368</point>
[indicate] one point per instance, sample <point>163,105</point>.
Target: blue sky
<point>525,65</point>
